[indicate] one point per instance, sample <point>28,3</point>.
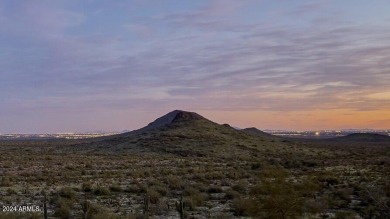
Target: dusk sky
<point>76,66</point>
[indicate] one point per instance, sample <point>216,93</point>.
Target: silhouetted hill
<point>363,137</point>
<point>256,132</point>
<point>173,117</point>
<point>187,134</point>
<point>170,118</point>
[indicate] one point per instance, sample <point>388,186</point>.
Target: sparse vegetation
<point>196,169</point>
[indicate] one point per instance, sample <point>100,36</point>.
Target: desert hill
<point>257,132</point>
<point>364,137</point>
<point>173,117</point>
<point>187,134</point>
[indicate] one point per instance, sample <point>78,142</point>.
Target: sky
<point>78,66</point>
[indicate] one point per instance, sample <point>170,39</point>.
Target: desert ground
<point>185,166</point>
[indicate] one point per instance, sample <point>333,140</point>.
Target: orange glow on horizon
<point>303,120</point>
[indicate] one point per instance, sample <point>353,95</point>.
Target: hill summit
<point>173,117</point>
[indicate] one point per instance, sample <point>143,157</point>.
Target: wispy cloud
<point>55,58</point>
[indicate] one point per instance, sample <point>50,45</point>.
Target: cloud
<point>379,96</point>
<point>43,18</point>
<point>250,74</point>
<point>54,57</point>
<point>310,7</point>
<point>216,15</point>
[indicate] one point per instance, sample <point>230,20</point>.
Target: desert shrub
<point>276,197</point>
<point>309,187</point>
<point>5,182</point>
<point>96,211</point>
<point>231,194</point>
<point>225,182</point>
<point>216,175</point>
<point>221,215</point>
<point>256,166</point>
<point>329,180</point>
<point>63,210</point>
<point>273,172</point>
<point>68,193</point>
<point>243,207</point>
<point>200,187</point>
<point>88,166</point>
<point>199,177</point>
<point>174,182</point>
<point>190,191</point>
<point>273,161</point>
<point>115,188</point>
<point>188,203</point>
<point>101,191</point>
<point>376,201</point>
<point>133,189</point>
<point>343,193</point>
<point>315,206</point>
<point>345,215</point>
<point>240,187</point>
<point>292,163</point>
<point>161,207</point>
<point>142,187</point>
<point>214,189</point>
<point>146,173</point>
<point>11,191</point>
<point>154,196</point>
<point>198,199</point>
<point>310,163</point>
<point>86,187</point>
<point>162,189</point>
<point>190,171</point>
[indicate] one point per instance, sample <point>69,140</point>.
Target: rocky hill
<point>187,134</point>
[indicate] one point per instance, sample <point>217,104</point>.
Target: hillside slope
<point>187,134</point>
